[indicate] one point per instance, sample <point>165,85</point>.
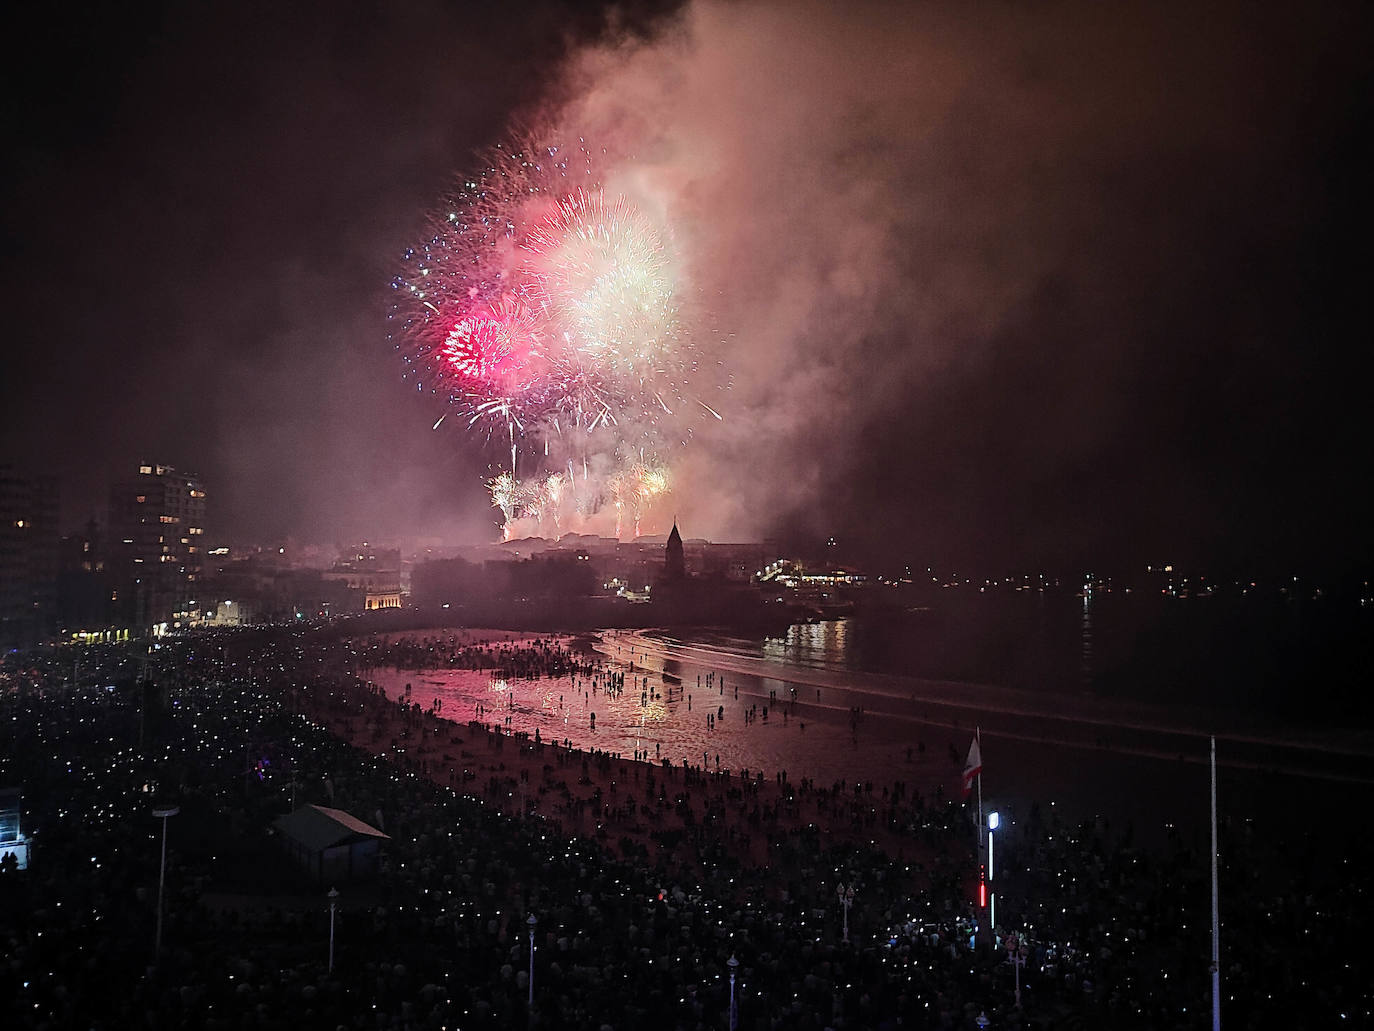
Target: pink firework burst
<point>490,349</point>
<point>477,348</point>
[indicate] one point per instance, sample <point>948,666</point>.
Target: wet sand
<point>1132,763</point>
<point>1084,757</point>
<point>585,789</point>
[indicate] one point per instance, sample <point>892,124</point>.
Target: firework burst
<point>553,493</point>
<point>601,268</point>
<point>504,495</point>
<point>545,308</point>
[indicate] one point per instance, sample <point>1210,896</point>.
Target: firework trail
<point>533,502</point>
<point>541,499</point>
<point>632,489</point>
<point>553,494</point>
<point>619,486</point>
<point>648,482</point>
<point>504,495</point>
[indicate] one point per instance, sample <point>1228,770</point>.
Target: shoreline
<point>666,812</point>
<point>1050,707</point>
<point>1054,760</point>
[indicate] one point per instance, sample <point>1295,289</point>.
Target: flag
<point>972,767</point>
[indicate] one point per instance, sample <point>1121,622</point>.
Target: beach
<point>645,878</point>
<point>685,700</point>
<point>493,735</point>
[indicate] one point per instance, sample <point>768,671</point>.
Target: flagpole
<point>978,736</point>
<point>1216,923</point>
<point>973,771</point>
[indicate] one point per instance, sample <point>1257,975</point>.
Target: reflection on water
<point>675,709</point>
<point>824,642</point>
<point>854,699</point>
<point>1085,670</point>
<point>787,706</point>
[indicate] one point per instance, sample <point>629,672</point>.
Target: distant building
<point>157,546</point>
<point>28,556</point>
<point>84,586</point>
<point>674,565</point>
<point>740,562</point>
<point>374,573</point>
<point>228,613</point>
<point>696,585</point>
<point>256,584</point>
<point>382,599</point>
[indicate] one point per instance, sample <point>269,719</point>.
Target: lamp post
<point>1215,968</point>
<point>733,964</point>
<point>846,897</point>
<point>994,821</point>
<point>532,922</point>
<point>162,812</point>
<point>1017,951</point>
<point>333,899</point>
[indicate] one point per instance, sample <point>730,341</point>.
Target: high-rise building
<point>83,583</point>
<point>156,546</point>
<point>28,556</point>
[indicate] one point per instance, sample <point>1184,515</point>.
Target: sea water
<point>1072,700</point>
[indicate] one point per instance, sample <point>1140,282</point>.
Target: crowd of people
<point>636,882</point>
<point>505,653</point>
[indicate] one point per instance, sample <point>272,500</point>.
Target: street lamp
<point>994,821</point>
<point>846,897</point>
<point>1017,952</point>
<point>733,964</point>
<point>162,812</point>
<point>333,898</point>
<point>532,922</point>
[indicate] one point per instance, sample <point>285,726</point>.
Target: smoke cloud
<point>956,255</point>
<point>987,282</point>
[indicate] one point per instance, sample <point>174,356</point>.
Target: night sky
<point>1009,283</point>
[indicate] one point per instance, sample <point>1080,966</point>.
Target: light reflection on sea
<point>825,721</point>
<point>663,711</point>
